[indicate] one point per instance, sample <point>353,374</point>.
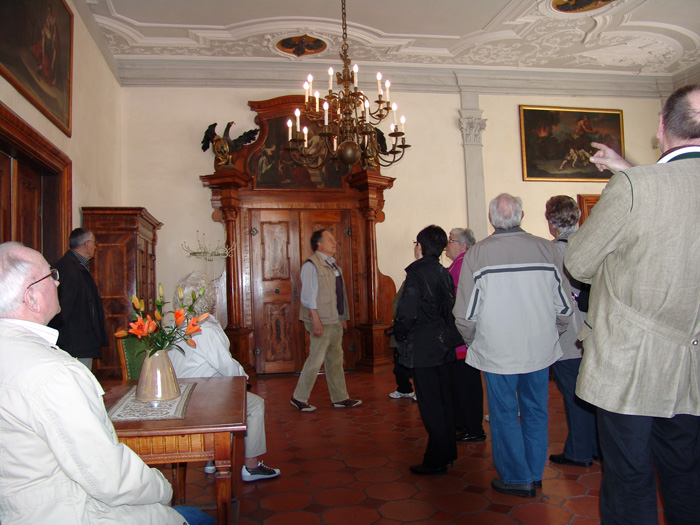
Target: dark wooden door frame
<point>29,142</point>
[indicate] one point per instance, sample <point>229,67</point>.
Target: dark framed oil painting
<point>272,166</point>
<point>556,142</point>
<point>36,55</point>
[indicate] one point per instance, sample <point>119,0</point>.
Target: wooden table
<point>212,430</point>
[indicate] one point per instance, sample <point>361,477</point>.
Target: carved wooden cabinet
<point>124,265</point>
<point>269,208</point>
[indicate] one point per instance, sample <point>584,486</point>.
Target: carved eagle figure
<point>224,146</point>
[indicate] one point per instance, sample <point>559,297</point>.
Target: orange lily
<point>157,315</point>
<point>138,328</point>
<point>151,325</point>
<point>180,316</point>
<point>135,301</point>
<point>202,317</point>
<point>192,327</point>
<point>121,333</point>
<point>192,343</point>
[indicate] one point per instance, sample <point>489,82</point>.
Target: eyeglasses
<point>53,274</point>
<point>415,243</point>
<point>452,240</point>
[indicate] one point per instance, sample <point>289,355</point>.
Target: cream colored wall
<point>163,128</point>
<point>502,158</point>
<point>95,146</point>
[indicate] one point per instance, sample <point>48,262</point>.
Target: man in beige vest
<point>324,310</point>
<point>641,356</point>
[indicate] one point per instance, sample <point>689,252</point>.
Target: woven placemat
<point>128,409</point>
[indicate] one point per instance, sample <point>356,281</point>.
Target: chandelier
<point>349,133</point>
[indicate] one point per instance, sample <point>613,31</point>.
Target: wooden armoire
<point>269,208</point>
<point>124,265</point>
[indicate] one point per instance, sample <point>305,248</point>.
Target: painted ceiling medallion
<point>301,45</point>
<point>578,6</point>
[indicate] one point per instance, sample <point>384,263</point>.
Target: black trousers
<point>468,398</point>
<point>403,376</point>
<point>631,446</point>
<point>434,390</point>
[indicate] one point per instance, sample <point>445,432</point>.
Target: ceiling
<point>631,47</point>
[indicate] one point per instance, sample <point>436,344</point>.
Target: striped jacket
<point>512,303</point>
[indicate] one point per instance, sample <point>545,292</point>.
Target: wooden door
<point>27,217</point>
<point>276,285</point>
<point>5,197</point>
<point>279,247</point>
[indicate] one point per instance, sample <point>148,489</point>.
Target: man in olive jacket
<point>81,323</point>
<point>640,250</point>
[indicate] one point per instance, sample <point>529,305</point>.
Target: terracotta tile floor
<point>350,466</point>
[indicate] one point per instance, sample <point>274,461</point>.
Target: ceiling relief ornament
<point>578,6</point>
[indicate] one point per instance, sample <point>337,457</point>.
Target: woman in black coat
<point>425,330</point>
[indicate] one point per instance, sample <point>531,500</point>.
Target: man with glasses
<point>81,323</point>
<point>61,460</point>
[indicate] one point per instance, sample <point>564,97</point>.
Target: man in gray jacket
<point>640,250</point>
<point>60,460</point>
<point>512,303</point>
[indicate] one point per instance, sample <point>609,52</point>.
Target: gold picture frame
<point>556,142</point>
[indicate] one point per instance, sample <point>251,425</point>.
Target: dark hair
<point>681,119</point>
<point>563,213</point>
<point>432,240</point>
<point>78,237</point>
<point>316,238</point>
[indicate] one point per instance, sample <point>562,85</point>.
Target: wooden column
<point>375,354</point>
<point>225,184</point>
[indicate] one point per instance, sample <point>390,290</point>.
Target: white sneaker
<point>262,471</point>
<point>398,395</point>
<point>210,468</point>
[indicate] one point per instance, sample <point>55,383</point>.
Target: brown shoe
<point>303,407</point>
<point>348,403</point>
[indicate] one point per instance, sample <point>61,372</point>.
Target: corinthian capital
<point>471,129</point>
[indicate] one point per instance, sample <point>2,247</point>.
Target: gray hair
<point>464,236</point>
<point>14,267</point>
<point>78,237</point>
<point>563,213</point>
<point>505,212</point>
<point>193,283</point>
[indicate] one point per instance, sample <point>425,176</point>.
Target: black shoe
<point>471,438</point>
<point>538,484</point>
<point>559,459</point>
<point>427,471</point>
<point>525,490</point>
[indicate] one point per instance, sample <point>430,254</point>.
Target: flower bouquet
<point>157,381</point>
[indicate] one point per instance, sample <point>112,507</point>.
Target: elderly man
<point>60,461</point>
<point>512,303</point>
<point>641,363</point>
<point>81,322</point>
<point>324,311</point>
<point>468,392</point>
<point>212,358</point>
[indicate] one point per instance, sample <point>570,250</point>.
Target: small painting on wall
<point>556,142</point>
<point>36,50</point>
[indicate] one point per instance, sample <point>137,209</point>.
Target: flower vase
<point>157,380</point>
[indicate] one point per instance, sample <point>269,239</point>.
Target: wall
<point>95,146</point>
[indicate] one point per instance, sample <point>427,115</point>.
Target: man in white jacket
<point>60,460</point>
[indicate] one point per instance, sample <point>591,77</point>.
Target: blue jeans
<point>195,516</point>
<point>519,444</point>
<point>582,441</point>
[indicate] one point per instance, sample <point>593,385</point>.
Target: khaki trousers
<point>255,443</point>
<point>326,350</point>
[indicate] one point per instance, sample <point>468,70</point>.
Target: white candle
<point>297,114</point>
<point>394,107</point>
<point>330,79</point>
<point>366,108</point>
<point>379,84</point>
<point>325,113</point>
<point>289,125</point>
<point>387,84</point>
<point>393,139</point>
<point>316,96</point>
<point>355,75</point>
<point>306,92</point>
<point>335,143</point>
<point>306,136</point>
<point>403,121</point>
<point>310,79</point>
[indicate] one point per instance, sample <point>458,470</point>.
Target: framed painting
<point>36,55</point>
<point>556,142</point>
